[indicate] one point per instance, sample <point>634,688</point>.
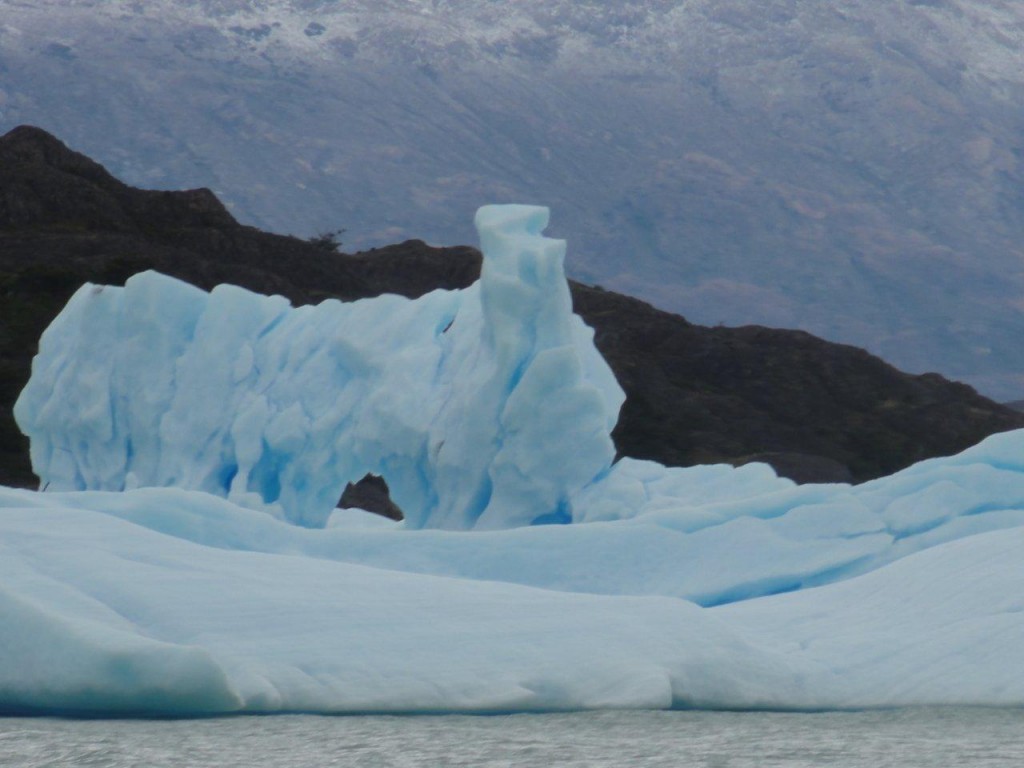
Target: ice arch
<point>483,408</point>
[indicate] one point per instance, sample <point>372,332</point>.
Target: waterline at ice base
<point>186,557</point>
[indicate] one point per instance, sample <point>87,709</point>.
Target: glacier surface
<point>185,556</point>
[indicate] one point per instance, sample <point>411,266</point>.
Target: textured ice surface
<point>166,423</point>
<point>486,407</point>
<point>101,613</point>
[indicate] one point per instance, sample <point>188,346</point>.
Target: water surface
<point>929,738</point>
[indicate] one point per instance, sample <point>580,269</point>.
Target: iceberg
<point>483,408</point>
<point>184,556</point>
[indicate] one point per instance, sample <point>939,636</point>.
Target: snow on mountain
<point>853,170</point>
<point>700,587</point>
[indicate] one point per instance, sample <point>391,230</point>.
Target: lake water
<point>905,738</point>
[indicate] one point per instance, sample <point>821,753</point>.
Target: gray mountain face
<point>854,169</point>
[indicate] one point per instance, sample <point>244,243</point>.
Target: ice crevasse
<point>185,556</point>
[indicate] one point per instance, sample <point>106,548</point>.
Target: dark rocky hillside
<point>816,411</point>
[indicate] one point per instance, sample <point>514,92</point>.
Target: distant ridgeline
<point>814,410</point>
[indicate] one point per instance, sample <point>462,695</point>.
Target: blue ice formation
<point>166,424</point>
<point>483,408</point>
<point>164,601</point>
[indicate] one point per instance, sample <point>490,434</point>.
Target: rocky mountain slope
<point>813,409</point>
<point>853,169</point>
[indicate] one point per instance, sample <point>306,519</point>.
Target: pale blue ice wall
<point>487,407</point>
